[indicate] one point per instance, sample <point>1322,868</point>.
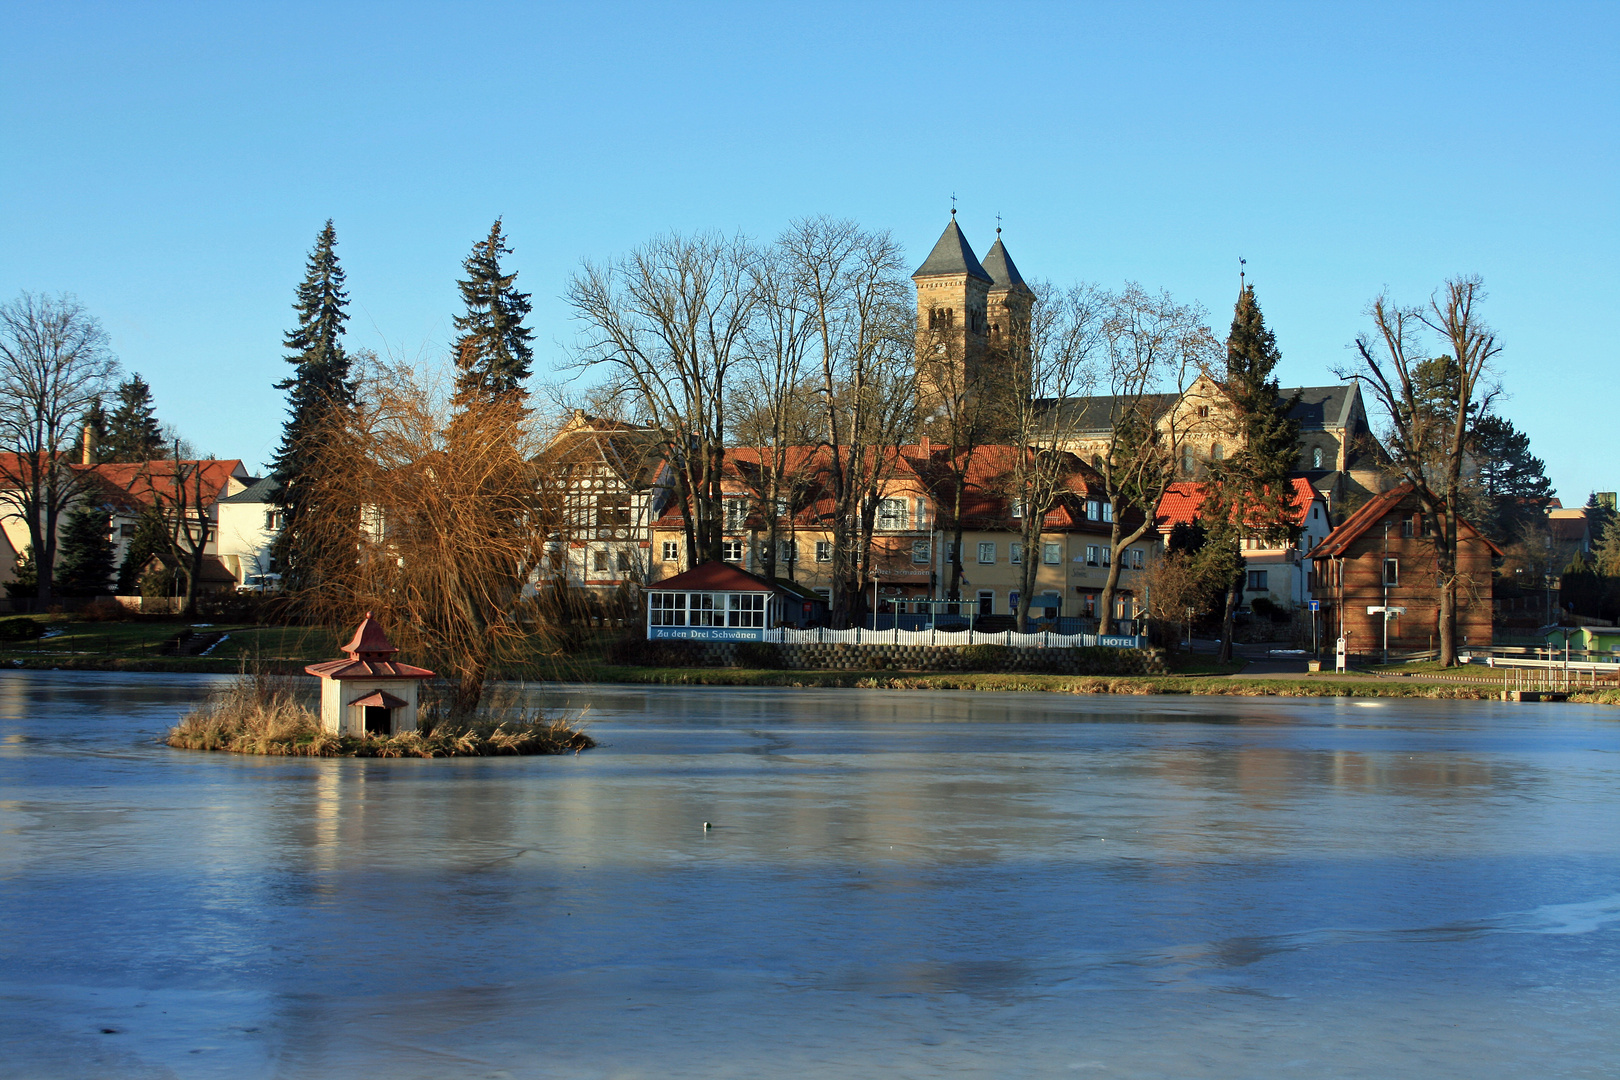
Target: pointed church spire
<point>1002,270</point>
<point>952,255</point>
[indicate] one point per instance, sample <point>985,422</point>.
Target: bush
<point>758,654</point>
<point>104,609</point>
<point>986,657</point>
<point>20,629</point>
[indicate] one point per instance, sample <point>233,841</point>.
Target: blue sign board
<point>1117,641</point>
<point>706,633</point>
<point>1316,605</point>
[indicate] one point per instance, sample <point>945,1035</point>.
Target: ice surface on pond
<point>908,884</point>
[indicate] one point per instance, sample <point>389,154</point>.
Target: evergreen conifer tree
<point>132,429</point>
<point>1250,492</point>
<point>85,563</point>
<point>133,432</point>
<point>320,383</point>
<point>151,540</point>
<point>493,354</point>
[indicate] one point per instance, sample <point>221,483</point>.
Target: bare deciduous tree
<point>859,307</point>
<point>181,495</point>
<point>1054,358</point>
<point>54,366</point>
<point>668,323</point>
<point>1432,404</point>
<point>1155,348</point>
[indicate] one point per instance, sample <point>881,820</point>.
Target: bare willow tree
<point>452,527</point>
<point>1054,357</point>
<point>668,324</point>
<point>859,306</point>
<point>55,365</point>
<point>1154,349</point>
<point>1432,404</point>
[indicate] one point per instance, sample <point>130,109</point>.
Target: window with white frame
<point>671,551</point>
<point>736,513</point>
<point>787,551</point>
<point>706,609</point>
<point>1133,558</point>
<point>745,609</point>
<point>823,551</point>
<point>733,550</point>
<point>1107,554</point>
<point>987,551</point>
<point>1094,509</point>
<point>921,551</point>
<point>1093,555</point>
<point>1015,508</point>
<point>950,553</point>
<point>1107,511</point>
<point>1051,554</point>
<point>667,608</point>
<point>1015,553</point>
<point>892,514</point>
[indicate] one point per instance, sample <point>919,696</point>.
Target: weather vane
<point>1242,263</point>
<point>953,204</point>
<point>998,224</point>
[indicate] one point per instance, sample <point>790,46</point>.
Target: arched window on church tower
<point>1316,457</point>
<point>1217,452</point>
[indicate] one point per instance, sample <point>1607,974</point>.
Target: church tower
<point>1009,303</point>
<point>953,327</point>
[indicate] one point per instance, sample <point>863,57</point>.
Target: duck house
<point>368,692</point>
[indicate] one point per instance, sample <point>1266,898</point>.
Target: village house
<point>127,490</point>
<point>1381,557</point>
<point>911,553</point>
<point>1282,575</point>
<point>610,481</point>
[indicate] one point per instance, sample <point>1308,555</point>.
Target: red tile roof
<point>1337,542</point>
<point>713,577</point>
<point>1184,501</point>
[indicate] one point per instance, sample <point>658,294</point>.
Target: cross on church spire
<point>953,204</point>
<point>1242,264</point>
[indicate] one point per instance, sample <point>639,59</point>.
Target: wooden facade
<point>1382,556</point>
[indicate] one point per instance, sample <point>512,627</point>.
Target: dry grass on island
<point>262,714</point>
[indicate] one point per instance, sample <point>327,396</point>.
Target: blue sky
<point>171,164</point>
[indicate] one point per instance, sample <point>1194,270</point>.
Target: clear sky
<point>171,163</point>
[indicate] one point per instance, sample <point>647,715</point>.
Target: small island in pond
<point>370,706</point>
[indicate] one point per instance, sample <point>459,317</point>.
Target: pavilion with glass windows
<point>721,602</point>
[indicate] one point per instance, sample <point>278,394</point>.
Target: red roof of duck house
<point>370,657</point>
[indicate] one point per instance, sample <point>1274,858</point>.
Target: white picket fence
<point>859,636</point>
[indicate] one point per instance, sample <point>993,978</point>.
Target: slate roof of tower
<point>1002,270</point>
<point>952,255</point>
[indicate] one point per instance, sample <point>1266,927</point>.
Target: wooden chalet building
<point>1381,556</point>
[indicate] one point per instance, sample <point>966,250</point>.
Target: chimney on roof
<point>927,445</point>
<point>88,454</point>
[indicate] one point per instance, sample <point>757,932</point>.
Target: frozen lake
<point>897,884</point>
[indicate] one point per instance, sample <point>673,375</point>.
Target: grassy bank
<point>259,714</point>
<point>1230,686</point>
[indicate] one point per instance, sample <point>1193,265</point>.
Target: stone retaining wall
<point>842,657</point>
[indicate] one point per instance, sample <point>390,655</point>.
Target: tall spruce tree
<point>1250,492</point>
<point>493,354</point>
<point>132,430</point>
<point>85,566</point>
<point>320,383</point>
<point>1513,482</point>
